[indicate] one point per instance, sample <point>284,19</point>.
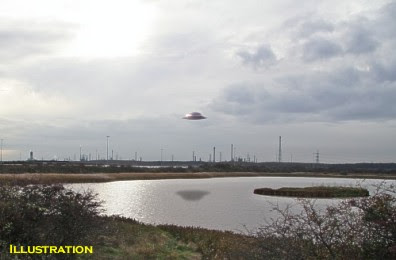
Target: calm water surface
<point>218,203</point>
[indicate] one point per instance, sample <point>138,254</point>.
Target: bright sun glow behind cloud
<point>108,29</point>
<point>100,28</point>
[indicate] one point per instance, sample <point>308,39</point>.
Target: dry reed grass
<point>51,178</point>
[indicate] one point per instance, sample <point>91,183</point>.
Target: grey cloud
<point>320,48</point>
<point>360,40</point>
<point>310,27</point>
<point>384,71</point>
<point>307,26</point>
<point>346,77</point>
<point>376,103</point>
<point>180,45</point>
<point>97,77</point>
<point>236,99</point>
<point>339,95</point>
<point>365,34</point>
<point>385,24</point>
<point>263,56</point>
<point>71,76</point>
<point>312,39</point>
<point>239,95</point>
<point>89,84</point>
<point>317,39</point>
<point>25,39</point>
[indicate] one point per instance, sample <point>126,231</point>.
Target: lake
<point>216,203</point>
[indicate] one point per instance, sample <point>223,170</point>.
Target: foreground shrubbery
<point>353,229</point>
<point>47,215</point>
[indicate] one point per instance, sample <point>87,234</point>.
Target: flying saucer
<point>194,116</point>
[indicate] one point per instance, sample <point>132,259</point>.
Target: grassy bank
<point>51,178</point>
<point>315,192</point>
<point>128,239</point>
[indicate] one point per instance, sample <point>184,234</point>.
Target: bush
<point>47,215</point>
<point>362,228</point>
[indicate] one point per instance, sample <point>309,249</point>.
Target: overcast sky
<point>321,74</point>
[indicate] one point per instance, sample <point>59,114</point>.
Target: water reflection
<point>192,195</point>
<point>225,203</point>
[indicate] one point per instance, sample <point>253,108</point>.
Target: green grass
<point>128,239</point>
<point>216,244</point>
<point>315,192</point>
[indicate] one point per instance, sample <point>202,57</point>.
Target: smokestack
<point>214,154</point>
<point>232,152</point>
<point>280,149</point>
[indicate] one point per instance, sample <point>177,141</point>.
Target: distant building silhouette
<point>31,158</point>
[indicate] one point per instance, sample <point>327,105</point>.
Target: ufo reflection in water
<point>194,116</point>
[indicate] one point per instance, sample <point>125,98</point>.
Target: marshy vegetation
<point>315,192</point>
<point>55,178</point>
<point>52,172</point>
<point>125,166</point>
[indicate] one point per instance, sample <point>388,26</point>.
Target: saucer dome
<point>194,116</point>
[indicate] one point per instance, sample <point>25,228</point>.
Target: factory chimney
<point>280,149</point>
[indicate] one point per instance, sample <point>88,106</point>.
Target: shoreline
<point>53,178</point>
